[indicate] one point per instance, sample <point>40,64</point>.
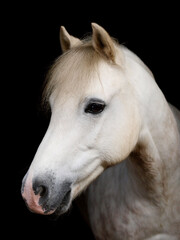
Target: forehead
<point>79,72</point>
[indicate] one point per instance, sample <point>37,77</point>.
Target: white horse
<point>108,112</point>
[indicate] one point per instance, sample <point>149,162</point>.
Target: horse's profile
<point>113,138</point>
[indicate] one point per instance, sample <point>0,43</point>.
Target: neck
<point>155,160</point>
<point>154,164</point>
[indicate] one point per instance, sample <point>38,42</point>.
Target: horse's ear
<point>67,41</point>
<point>102,42</point>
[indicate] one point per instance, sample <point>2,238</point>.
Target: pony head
<point>94,124</point>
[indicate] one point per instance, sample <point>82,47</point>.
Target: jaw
<point>81,185</point>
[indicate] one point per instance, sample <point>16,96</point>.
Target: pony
<point>113,138</point>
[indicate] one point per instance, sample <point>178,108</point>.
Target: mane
<point>72,71</point>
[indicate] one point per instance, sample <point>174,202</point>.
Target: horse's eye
<point>95,107</point>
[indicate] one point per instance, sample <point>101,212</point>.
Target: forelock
<point>72,71</point>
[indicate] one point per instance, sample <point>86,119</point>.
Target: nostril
<point>41,190</point>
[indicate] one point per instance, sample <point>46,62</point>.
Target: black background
<point>31,43</point>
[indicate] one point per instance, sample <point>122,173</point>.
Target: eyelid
<point>95,100</point>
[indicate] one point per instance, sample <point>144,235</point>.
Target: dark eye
<point>95,107</point>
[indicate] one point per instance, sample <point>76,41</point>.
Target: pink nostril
<point>35,192</point>
<point>42,195</point>
<point>31,197</point>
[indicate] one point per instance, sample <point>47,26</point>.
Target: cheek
<point>118,137</point>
